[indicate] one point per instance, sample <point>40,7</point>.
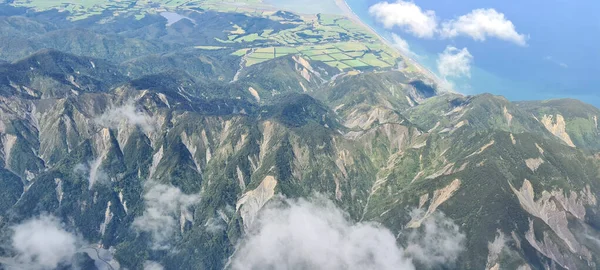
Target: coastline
<point>348,12</point>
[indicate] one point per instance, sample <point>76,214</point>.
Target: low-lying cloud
<point>152,265</point>
<point>316,234</point>
<point>480,24</point>
<point>438,241</point>
<point>407,16</point>
<point>495,248</point>
<point>402,45</point>
<point>127,114</point>
<point>164,205</point>
<point>43,243</point>
<point>215,225</point>
<point>455,63</point>
<point>93,171</point>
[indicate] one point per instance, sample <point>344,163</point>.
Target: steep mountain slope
<point>573,121</point>
<point>289,74</point>
<point>219,65</point>
<point>500,175</point>
<point>51,74</point>
<point>91,157</point>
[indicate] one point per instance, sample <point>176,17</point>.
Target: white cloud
<point>219,223</point>
<point>480,24</point>
<point>97,175</point>
<point>164,205</point>
<point>438,242</point>
<point>593,239</point>
<point>495,248</point>
<point>317,235</point>
<point>43,243</point>
<point>80,168</point>
<point>402,45</point>
<point>551,59</point>
<point>215,225</point>
<point>405,15</point>
<point>94,172</point>
<point>454,63</point>
<point>151,265</point>
<point>127,114</point>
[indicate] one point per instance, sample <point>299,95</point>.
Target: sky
<point>523,50</point>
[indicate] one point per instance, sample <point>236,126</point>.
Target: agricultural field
<point>332,39</point>
<point>347,58</point>
<point>82,9</point>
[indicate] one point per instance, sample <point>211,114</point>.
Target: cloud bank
<point>455,63</point>
<point>480,24</point>
<point>43,243</point>
<point>452,64</point>
<point>94,172</point>
<point>317,235</point>
<point>438,242</point>
<point>402,45</point>
<point>164,205</point>
<point>215,225</point>
<point>407,16</point>
<point>151,265</point>
<point>127,114</point>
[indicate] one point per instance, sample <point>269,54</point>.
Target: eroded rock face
<point>305,70</point>
<point>18,123</point>
<point>8,141</point>
<point>362,120</point>
<point>156,158</point>
<point>108,216</point>
<point>254,93</point>
<point>193,145</point>
<point>549,248</point>
<point>507,116</point>
<point>534,163</point>
<point>494,249</point>
<point>59,190</point>
<point>553,208</point>
<point>123,202</point>
<point>439,197</point>
<point>185,216</point>
<point>558,127</point>
<point>253,200</point>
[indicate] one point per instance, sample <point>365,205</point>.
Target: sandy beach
<point>356,19</point>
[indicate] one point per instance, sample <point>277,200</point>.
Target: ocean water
<point>561,59</point>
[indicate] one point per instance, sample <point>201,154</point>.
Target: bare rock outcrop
<point>252,201</point>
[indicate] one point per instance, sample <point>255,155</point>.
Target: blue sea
<point>561,60</point>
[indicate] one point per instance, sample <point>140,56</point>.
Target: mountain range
<point>144,152</point>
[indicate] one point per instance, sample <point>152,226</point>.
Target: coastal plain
<point>340,41</point>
